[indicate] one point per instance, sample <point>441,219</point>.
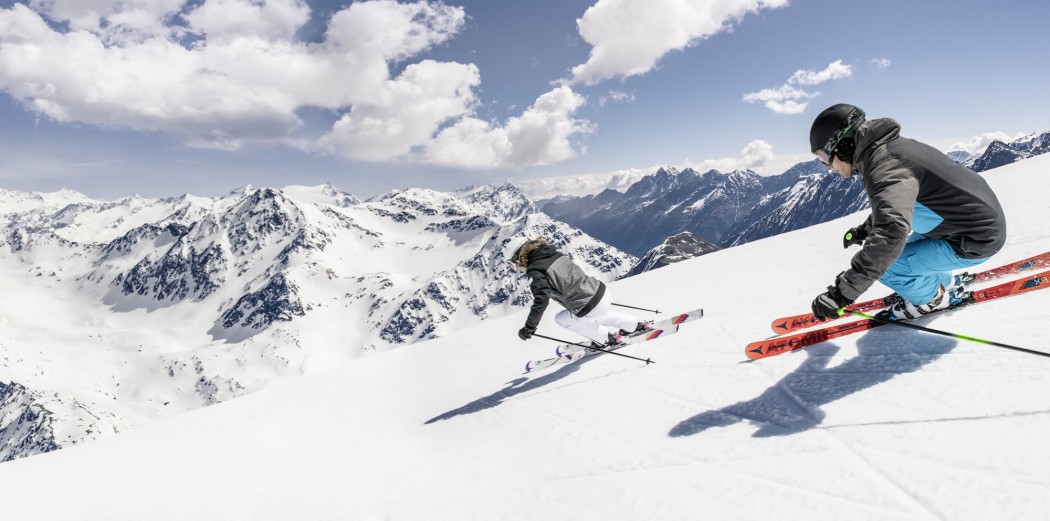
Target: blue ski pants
<point>924,266</point>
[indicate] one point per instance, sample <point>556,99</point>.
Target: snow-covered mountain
<point>142,308</point>
<point>740,207</point>
<point>663,204</point>
<point>959,156</point>
<point>723,209</point>
<point>676,248</point>
<point>812,199</point>
<point>889,425</point>
<point>999,153</point>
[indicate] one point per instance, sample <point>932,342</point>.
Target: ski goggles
<point>824,154</point>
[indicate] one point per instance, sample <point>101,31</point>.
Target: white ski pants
<point>599,322</point>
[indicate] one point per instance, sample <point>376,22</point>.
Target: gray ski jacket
<point>915,188</point>
<point>555,276</point>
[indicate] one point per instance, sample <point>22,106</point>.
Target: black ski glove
<point>854,236</point>
<point>525,333</point>
<point>827,304</point>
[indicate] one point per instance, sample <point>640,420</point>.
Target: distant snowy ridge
<point>1000,153</point>
<point>663,204</point>
<point>676,248</point>
<point>211,298</point>
<point>739,207</point>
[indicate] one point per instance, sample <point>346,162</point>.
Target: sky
<point>165,97</point>
<point>892,424</point>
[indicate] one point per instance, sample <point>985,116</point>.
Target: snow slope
<point>893,424</point>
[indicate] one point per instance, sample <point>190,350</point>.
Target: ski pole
<point>639,309</point>
<point>646,360</point>
<point>844,311</point>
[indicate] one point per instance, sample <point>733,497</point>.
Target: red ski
<point>783,344</point>
<point>1042,261</point>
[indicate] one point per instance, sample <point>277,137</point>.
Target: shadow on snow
<point>792,405</point>
<point>513,388</point>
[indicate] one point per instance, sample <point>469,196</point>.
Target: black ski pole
<point>844,311</point>
<point>639,309</point>
<point>646,360</point>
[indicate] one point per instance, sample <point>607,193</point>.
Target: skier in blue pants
<point>929,214</point>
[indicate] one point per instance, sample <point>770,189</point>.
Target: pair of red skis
<point>791,339</point>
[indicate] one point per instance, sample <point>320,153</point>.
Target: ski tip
<point>684,317</point>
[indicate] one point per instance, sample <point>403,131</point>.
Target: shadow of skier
<point>792,405</point>
<point>513,388</point>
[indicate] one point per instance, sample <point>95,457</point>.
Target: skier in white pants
<point>587,302</point>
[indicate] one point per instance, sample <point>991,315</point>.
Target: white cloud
<point>234,74</point>
<point>541,135</point>
<point>756,154</point>
<point>113,21</point>
<point>881,63</point>
<point>628,37</point>
<point>583,184</point>
<point>406,112</point>
<point>782,100</point>
<point>789,99</point>
<point>835,70</point>
<point>615,96</point>
<point>231,19</point>
<point>977,144</point>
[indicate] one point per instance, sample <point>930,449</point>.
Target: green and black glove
<point>854,236</point>
<point>827,304</point>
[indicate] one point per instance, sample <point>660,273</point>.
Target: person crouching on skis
<point>587,301</point>
<point>929,214</point>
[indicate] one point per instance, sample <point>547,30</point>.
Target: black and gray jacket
<point>555,276</point>
<point>914,187</point>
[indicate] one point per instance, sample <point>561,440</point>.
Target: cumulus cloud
<point>540,136</point>
<point>230,73</point>
<point>789,98</point>
<point>881,63</point>
<point>977,144</point>
<point>756,154</point>
<point>628,37</point>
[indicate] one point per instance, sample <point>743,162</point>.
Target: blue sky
<point>164,97</point>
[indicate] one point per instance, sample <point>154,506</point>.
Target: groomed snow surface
<point>893,424</point>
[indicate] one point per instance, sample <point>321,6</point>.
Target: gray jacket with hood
<point>914,187</point>
<point>555,276</point>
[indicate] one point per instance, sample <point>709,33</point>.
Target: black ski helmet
<point>832,125</point>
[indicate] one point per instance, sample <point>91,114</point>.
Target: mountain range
<point>142,308</point>
<point>892,424</point>
<point>123,312</point>
<point>730,209</point>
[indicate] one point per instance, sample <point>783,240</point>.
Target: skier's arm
<point>894,191</point>
<point>541,296</point>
